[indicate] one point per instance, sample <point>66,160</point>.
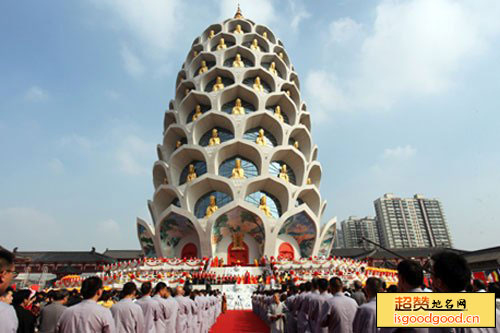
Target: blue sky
<point>403,97</point>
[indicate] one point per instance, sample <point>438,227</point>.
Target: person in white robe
<point>127,315</point>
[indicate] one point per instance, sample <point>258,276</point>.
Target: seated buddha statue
<point>211,34</point>
<point>309,181</point>
<point>255,45</point>
<point>238,109</point>
<point>203,68</point>
<point>178,144</point>
<point>257,86</point>
<point>296,145</point>
<point>238,63</point>
<point>214,140</point>
<point>283,173</point>
<point>238,172</point>
<point>277,114</point>
<point>212,207</point>
<point>218,84</point>
<point>264,34</point>
<point>281,56</point>
<point>288,93</point>
<point>195,54</point>
<point>238,29</point>
<point>222,45</point>
<point>264,207</point>
<point>191,173</point>
<point>272,68</point>
<point>197,112</point>
<point>261,139</point>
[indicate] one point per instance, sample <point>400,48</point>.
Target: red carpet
<point>239,321</point>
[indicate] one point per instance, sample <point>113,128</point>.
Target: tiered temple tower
<point>237,174</point>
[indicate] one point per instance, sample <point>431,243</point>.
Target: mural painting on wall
<point>147,243</point>
<point>172,230</point>
<point>238,221</point>
<point>326,244</point>
<point>302,229</point>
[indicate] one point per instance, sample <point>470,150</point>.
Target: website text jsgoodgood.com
<point>435,319</point>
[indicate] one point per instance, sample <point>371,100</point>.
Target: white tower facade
<point>237,132</point>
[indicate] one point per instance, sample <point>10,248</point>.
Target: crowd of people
<point>322,305</point>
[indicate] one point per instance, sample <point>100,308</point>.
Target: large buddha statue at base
<point>222,45</point>
<point>237,62</point>
<point>212,207</point>
<point>214,140</point>
<point>238,109</point>
<point>261,139</point>
<point>203,68</point>
<point>277,114</point>
<point>218,84</point>
<point>191,173</point>
<point>284,174</point>
<point>257,86</point>
<point>238,172</point>
<point>264,207</point>
<point>197,112</point>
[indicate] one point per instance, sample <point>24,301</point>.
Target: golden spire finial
<point>238,14</point>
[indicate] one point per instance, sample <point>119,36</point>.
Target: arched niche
<point>160,174</point>
<point>169,119</point>
<point>183,90</point>
<point>266,79</point>
<point>187,107</point>
<point>292,159</point>
<point>311,198</point>
<point>146,239</point>
<point>275,171</point>
<point>270,36</point>
<point>195,51</point>
<point>245,26</point>
<point>248,166</point>
<point>176,231</point>
<point>295,79</point>
<point>327,239</point>
<point>246,55</point>
<point>200,168</point>
<point>314,173</point>
<point>229,40</point>
<point>263,44</point>
<point>209,79</point>
<point>286,251</point>
<point>181,158</point>
<point>163,198</point>
<point>189,251</point>
<point>271,201</point>
<point>206,34</point>
<point>203,188</point>
<point>180,77</point>
<point>302,136</point>
<point>273,188</point>
<point>173,134</point>
<point>314,155</point>
<point>210,121</point>
<point>249,99</point>
<point>196,64</point>
<point>294,92</point>
<point>203,202</point>
<point>280,65</point>
<point>305,119</point>
<point>273,131</point>
<point>239,149</point>
<point>277,50</point>
<point>302,228</point>
<point>223,134</point>
<point>287,107</point>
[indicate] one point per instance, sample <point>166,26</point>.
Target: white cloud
<point>399,152</point>
<point>133,156</point>
<point>36,94</point>
<point>131,62</point>
<point>298,14</point>
<point>56,166</point>
<point>261,11</point>
<point>75,141</point>
<point>344,29</point>
<point>325,94</point>
<point>415,49</point>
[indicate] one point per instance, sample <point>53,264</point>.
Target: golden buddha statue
<point>212,207</point>
<point>296,144</point>
<point>284,174</point>
<point>195,53</point>
<point>238,172</point>
<point>203,68</point>
<point>264,34</point>
<point>218,84</point>
<point>178,144</point>
<point>288,93</point>
<point>257,86</point>
<point>255,45</point>
<point>211,34</point>
<point>222,45</point>
<point>214,140</point>
<point>281,55</point>
<point>238,29</point>
<point>238,109</point>
<point>261,139</point>
<point>277,114</point>
<point>309,181</point>
<point>197,112</point>
<point>272,68</point>
<point>191,173</point>
<point>264,207</point>
<point>238,63</point>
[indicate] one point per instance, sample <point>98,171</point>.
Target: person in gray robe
<point>365,320</point>
<point>172,304</point>
<point>192,313</point>
<point>128,316</point>
<point>50,314</point>
<point>337,313</point>
<point>87,316</point>
<point>317,307</point>
<point>150,308</point>
<point>358,294</point>
<point>290,320</point>
<point>276,314</point>
<point>183,312</point>
<point>164,310</point>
